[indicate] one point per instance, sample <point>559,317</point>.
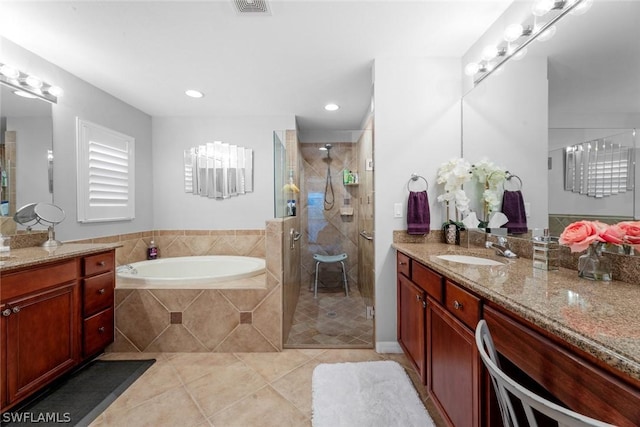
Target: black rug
<point>81,397</point>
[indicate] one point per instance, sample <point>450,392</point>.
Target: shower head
<point>326,147</point>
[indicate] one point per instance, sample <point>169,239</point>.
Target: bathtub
<point>193,272</point>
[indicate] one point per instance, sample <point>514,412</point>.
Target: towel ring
<point>509,176</point>
<point>414,178</point>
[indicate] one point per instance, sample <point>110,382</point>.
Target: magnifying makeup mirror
<point>45,214</point>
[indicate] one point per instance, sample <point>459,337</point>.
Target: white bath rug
<point>366,394</point>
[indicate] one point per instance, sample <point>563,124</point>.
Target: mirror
<point>582,85</point>
<point>26,137</point>
<point>45,214</point>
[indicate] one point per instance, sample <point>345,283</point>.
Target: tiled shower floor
<point>331,320</point>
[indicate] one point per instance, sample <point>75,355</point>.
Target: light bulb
<point>513,32</point>
<point>331,107</point>
<point>582,8</point>
<point>489,52</point>
<point>33,82</point>
<point>55,91</point>
<point>542,7</point>
<point>471,68</point>
<point>9,72</point>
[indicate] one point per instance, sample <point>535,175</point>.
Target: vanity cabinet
<point>415,284</point>
<point>455,377</point>
<point>453,360</point>
<point>98,286</point>
<point>45,321</point>
<point>40,328</point>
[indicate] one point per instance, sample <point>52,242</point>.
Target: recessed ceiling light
<point>331,107</point>
<point>194,93</point>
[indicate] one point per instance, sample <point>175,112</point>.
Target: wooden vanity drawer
<point>96,264</point>
<point>97,292</point>
<point>403,264</point>
<point>97,332</point>
<point>462,304</point>
<point>428,280</point>
<point>35,279</point>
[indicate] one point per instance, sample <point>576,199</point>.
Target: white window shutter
<point>106,170</point>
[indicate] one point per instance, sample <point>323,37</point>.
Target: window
<point>105,174</point>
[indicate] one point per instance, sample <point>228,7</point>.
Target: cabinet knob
<point>402,263</point>
<point>457,305</point>
<point>101,291</point>
<point>101,329</point>
<point>102,263</point>
<point>16,309</point>
<point>6,312</point>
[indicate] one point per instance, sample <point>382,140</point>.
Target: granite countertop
<point>601,318</point>
<point>33,256</point>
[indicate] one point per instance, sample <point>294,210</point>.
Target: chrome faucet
<point>502,247</point>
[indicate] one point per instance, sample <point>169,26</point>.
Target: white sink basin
<point>465,259</point>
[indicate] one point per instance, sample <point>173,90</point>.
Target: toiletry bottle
<point>152,250</point>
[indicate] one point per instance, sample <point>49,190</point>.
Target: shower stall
<point>331,185</point>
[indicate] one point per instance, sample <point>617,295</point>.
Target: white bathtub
<point>195,272</point>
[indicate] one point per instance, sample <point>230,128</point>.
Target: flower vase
<point>593,265</point>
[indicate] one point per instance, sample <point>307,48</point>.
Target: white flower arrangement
<point>492,177</point>
<point>453,175</point>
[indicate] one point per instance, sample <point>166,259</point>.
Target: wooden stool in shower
<point>330,259</point>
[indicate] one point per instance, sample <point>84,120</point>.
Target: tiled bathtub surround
<point>214,320</point>
<point>192,320</point>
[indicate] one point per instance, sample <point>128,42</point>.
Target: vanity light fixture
<point>494,56</point>
<point>27,85</point>
<point>193,93</point>
<point>332,107</point>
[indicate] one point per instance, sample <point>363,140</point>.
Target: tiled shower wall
<point>214,320</point>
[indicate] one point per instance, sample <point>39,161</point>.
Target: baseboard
<point>388,347</point>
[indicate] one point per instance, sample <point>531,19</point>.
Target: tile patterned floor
<point>231,389</point>
<point>332,319</point>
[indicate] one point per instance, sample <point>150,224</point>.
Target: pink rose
<point>613,234</point>
<point>631,231</point>
<point>579,235</point>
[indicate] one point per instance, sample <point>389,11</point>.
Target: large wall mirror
<point>26,156</point>
<point>580,87</point>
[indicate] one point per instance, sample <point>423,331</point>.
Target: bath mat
<point>81,397</point>
<point>367,394</point>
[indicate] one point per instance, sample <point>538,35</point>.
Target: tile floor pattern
<point>232,389</point>
<point>332,319</point>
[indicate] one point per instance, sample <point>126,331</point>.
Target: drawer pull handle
<point>101,329</point>
<point>102,263</point>
<point>16,309</point>
<point>101,291</point>
<point>7,312</point>
<point>457,305</point>
<point>402,263</point>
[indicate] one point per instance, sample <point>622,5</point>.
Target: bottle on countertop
<point>152,250</point>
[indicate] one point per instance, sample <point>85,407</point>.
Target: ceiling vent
<point>251,7</point>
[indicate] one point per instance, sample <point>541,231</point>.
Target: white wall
<point>88,102</point>
<point>417,128</point>
<point>175,209</point>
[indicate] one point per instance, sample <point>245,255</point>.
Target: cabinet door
<point>453,367</point>
<point>411,323</point>
<point>42,341</point>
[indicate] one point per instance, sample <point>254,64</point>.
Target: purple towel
<point>513,208</point>
<point>418,215</point>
